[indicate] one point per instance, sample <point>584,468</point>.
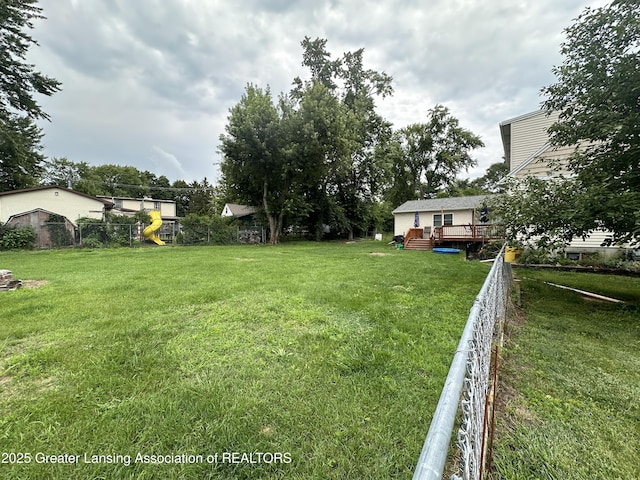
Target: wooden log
<point>587,294</point>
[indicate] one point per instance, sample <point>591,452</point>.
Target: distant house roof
<point>108,203</point>
<point>238,211</point>
<point>438,204</point>
<point>139,199</point>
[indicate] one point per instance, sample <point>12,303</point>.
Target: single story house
<point>438,212</point>
<point>59,200</point>
<point>245,213</point>
<point>460,222</point>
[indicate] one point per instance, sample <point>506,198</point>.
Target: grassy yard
<point>315,360</point>
<point>571,382</point>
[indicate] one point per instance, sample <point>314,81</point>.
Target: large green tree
<point>254,167</point>
<point>311,158</point>
<point>597,93</point>
<point>20,157</point>
<point>432,154</point>
<point>352,182</point>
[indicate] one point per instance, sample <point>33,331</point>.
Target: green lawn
<point>571,382</point>
<point>322,360</point>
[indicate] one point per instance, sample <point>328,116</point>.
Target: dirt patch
<point>34,283</point>
<point>379,254</point>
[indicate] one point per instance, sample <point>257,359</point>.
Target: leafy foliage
<point>433,153</point>
<point>114,231</point>
<point>598,96</point>
<point>198,229</point>
<point>323,158</point>
<point>13,238</point>
<point>59,235</point>
<point>20,158</point>
<point>128,181</point>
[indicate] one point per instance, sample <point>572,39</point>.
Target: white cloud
<point>149,83</point>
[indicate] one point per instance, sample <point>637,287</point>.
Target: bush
<point>490,250</point>
<point>93,233</point>
<point>205,230</point>
<point>58,233</point>
<point>540,256</point>
<point>12,238</point>
<point>115,231</point>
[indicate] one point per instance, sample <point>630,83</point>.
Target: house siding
<point>550,163</point>
<point>56,200</point>
<point>167,208</point>
<point>530,158</point>
<point>528,135</point>
<point>404,221</point>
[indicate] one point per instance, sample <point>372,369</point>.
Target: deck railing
<point>467,233</point>
<point>466,388</point>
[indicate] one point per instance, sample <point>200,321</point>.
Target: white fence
<point>467,387</point>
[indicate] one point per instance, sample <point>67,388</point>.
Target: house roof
<point>523,117</point>
<point>29,212</point>
<point>105,201</point>
<point>148,199</point>
<point>440,204</point>
<point>240,210</point>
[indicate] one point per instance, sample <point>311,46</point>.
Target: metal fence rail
<point>467,385</point>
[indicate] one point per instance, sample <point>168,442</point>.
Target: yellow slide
<point>150,232</point>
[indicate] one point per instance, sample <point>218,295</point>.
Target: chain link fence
<point>100,234</point>
<point>467,393</point>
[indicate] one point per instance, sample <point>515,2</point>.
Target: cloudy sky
<point>149,83</point>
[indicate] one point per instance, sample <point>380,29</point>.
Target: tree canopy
<point>20,157</point>
<point>324,158</point>
<point>597,95</point>
<point>431,154</point>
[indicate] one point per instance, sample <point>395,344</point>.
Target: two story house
<point>528,152</point>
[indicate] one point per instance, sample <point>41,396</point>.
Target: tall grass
<point>321,360</point>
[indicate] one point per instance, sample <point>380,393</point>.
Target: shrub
<point>93,232</point>
<point>58,233</point>
<point>539,256</point>
<point>203,229</point>
<point>12,238</point>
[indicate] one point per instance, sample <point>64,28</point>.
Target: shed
<point>50,232</point>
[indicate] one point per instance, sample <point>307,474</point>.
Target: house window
<point>156,205</point>
<point>118,202</point>
<point>437,219</point>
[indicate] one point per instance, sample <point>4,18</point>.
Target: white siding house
<point>238,211</point>
<point>437,212</point>
<point>528,152</point>
<point>62,201</point>
<point>128,205</point>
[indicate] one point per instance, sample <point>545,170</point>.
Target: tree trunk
<point>274,225</point>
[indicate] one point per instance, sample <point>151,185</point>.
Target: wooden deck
<point>427,238</point>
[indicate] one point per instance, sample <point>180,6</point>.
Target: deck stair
<point>419,244</point>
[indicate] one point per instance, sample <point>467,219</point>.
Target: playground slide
<point>150,232</point>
